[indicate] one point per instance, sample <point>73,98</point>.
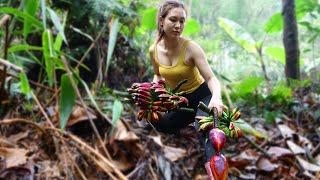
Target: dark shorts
<point>173,121</point>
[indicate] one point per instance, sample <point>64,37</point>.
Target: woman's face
<point>173,23</point>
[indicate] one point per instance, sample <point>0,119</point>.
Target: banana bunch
<point>225,123</point>
<point>153,98</point>
<point>230,116</point>
<point>205,122</point>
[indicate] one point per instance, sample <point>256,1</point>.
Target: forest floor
<point>31,146</point>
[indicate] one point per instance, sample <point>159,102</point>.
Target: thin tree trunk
<point>290,40</point>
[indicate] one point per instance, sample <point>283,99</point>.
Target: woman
<point>174,59</point>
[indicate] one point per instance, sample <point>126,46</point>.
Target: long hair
<point>163,11</point>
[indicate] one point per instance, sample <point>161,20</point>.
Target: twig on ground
<point>85,148</point>
<point>19,120</point>
<point>74,85</point>
<point>257,146</point>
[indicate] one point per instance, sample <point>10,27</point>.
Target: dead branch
<point>84,147</point>
<point>42,110</point>
<point>4,19</point>
<point>91,46</point>
<point>9,65</point>
<point>257,146</point>
<point>32,82</point>
<point>19,120</point>
<point>74,85</point>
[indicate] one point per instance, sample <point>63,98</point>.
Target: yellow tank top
<point>175,74</point>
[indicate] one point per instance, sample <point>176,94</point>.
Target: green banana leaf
<point>248,129</point>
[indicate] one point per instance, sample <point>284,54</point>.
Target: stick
<point>6,46</point>
<point>9,65</point>
<point>74,85</point>
<point>19,120</point>
<point>257,146</point>
<point>32,82</point>
<point>86,149</point>
<point>4,19</point>
<point>91,46</point>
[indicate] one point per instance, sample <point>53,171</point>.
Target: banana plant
<point>245,40</point>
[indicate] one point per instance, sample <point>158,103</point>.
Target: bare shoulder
<point>194,48</point>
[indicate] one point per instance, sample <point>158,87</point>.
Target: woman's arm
<point>155,66</point>
<point>200,61</point>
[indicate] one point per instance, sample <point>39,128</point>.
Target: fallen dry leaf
<point>6,143</point>
<point>308,166</point>
<point>279,151</point>
<point>78,114</point>
<point>264,164</point>
<point>171,153</point>
<point>285,131</point>
<point>157,139</point>
<point>120,133</point>
<point>295,148</point>
<point>122,165</point>
<point>17,137</point>
<point>243,159</point>
<point>13,156</point>
<point>236,172</point>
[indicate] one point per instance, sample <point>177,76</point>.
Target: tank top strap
<point>183,52</point>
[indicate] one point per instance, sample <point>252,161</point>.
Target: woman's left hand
<point>217,103</point>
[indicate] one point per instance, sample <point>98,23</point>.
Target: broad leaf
<point>48,54</point>
<point>191,27</point>
<point>112,41</point>
<point>58,43</point>
<point>67,100</point>
<point>21,16</point>
<point>116,111</point>
<point>274,24</point>
<point>281,93</point>
<point>305,6</point>
<point>248,129</point>
<point>238,34</point>
<point>248,85</point>
<point>148,20</point>
<point>56,21</point>
<point>277,53</point>
<point>25,87</point>
<point>30,7</point>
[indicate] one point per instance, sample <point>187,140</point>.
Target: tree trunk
<point>290,40</point>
